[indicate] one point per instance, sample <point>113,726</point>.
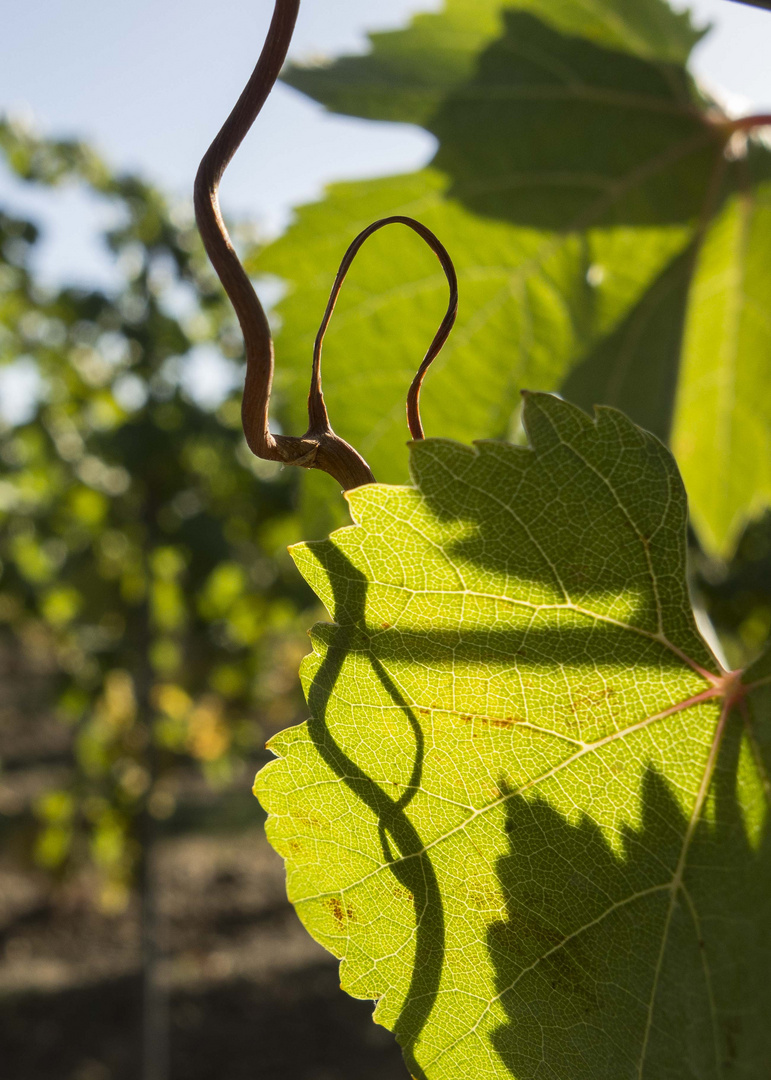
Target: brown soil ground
<point>250,994</point>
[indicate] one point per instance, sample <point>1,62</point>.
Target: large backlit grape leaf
<point>562,127</point>
<point>522,811</point>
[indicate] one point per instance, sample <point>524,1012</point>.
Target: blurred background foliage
<point>592,195</point>
<point>145,576</point>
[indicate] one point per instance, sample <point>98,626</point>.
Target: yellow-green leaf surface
<point>636,367</point>
<point>521,811</point>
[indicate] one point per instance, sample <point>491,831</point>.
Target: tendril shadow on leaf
<point>401,844</point>
<point>575,958</point>
<point>409,863</point>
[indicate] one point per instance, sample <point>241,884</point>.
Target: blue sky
<point>149,82</point>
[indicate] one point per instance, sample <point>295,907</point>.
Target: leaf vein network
<point>698,699</point>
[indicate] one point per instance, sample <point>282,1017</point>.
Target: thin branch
<point>317,412</point>
<point>727,126</point>
<point>319,448</point>
<point>750,123</point>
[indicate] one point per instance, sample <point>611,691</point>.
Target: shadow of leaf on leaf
<point>604,969</point>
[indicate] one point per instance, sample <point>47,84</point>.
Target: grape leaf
<point>722,428</point>
<point>555,131</point>
<point>531,301</point>
<point>408,73</point>
<point>578,128</point>
<point>534,297</point>
<point>635,368</point>
<point>528,811</point>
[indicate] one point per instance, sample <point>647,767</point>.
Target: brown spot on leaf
<point>342,915</point>
<point>589,702</point>
<point>313,823</point>
<point>493,721</point>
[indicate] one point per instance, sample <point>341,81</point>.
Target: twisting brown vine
<point>319,447</point>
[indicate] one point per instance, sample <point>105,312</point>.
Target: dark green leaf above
<point>408,73</point>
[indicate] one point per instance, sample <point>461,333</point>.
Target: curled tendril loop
<point>315,398</point>
<point>319,447</point>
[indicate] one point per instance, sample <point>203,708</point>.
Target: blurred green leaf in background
<point>142,544</point>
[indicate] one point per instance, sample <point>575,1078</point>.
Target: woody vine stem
<point>319,447</point>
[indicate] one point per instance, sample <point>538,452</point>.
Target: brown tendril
<point>316,407</point>
<point>319,447</point>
